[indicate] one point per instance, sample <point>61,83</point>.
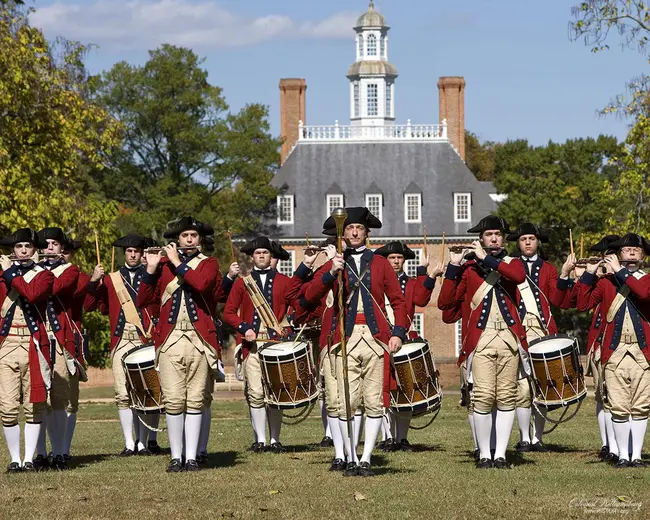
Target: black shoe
<point>192,465</point>
<point>29,467</point>
<point>202,457</point>
<point>381,445</point>
<point>364,470</point>
<point>67,457</point>
<point>257,447</point>
<point>41,463</point>
<point>153,447</point>
<point>144,453</point>
<point>500,463</point>
<point>522,447</point>
<point>351,470</point>
<point>484,464</point>
<point>390,445</point>
<point>175,466</point>
<point>14,467</point>
<point>539,448</point>
<point>622,463</point>
<point>477,454</point>
<point>277,447</point>
<point>404,445</point>
<point>638,463</point>
<point>337,465</point>
<point>327,442</point>
<point>127,452</point>
<point>604,451</point>
<point>60,464</point>
<point>611,458</point>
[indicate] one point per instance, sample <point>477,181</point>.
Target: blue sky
<point>525,79</point>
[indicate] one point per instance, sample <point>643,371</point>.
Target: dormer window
<point>462,207</point>
<point>375,202</point>
<point>334,201</point>
<point>412,208</point>
<point>372,45</point>
<point>285,209</point>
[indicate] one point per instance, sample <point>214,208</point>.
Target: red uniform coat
<point>462,282</point>
<point>417,292</point>
<point>59,308</point>
<point>594,292</point>
<point>305,311</point>
<point>35,295</point>
<point>77,314</point>
<point>199,288</point>
<point>240,313</point>
<point>104,298</point>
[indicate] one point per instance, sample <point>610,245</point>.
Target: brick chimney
<point>292,110</point>
<point>451,91</point>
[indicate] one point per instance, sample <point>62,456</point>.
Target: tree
<point>479,157</point>
<point>184,153</point>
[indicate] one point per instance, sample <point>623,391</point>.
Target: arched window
<point>372,45</point>
<point>360,46</point>
<point>356,99</point>
<point>373,105</point>
<point>382,47</point>
<point>389,99</point>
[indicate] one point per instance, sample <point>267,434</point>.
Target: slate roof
<point>394,168</point>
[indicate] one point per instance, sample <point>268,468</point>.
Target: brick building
<point>411,176</point>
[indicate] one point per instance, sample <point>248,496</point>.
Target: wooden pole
<point>112,259</point>
<point>307,239</point>
<point>426,249</point>
<point>232,247</point>
<point>582,245</point>
<point>442,253</point>
<point>571,239</point>
<point>99,259</point>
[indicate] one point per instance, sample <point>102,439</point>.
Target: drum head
<point>553,343</point>
<point>409,348</point>
<point>283,349</point>
<point>140,356</point>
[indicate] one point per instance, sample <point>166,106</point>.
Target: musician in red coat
<point>539,291</point>
<point>417,292</point>
<point>240,314</point>
<point>625,304</point>
<point>185,337</point>
<point>487,285</point>
<point>25,364</point>
<point>60,327</point>
<point>371,338</point>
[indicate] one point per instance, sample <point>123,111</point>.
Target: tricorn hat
<point>490,222</point>
<point>187,224</point>
<point>603,244</point>
<point>132,240</point>
<point>24,235</point>
<point>279,252</point>
<point>208,244</point>
<point>356,215</point>
<point>257,243</point>
<point>528,229</point>
<point>71,245</point>
<point>630,240</point>
<point>53,233</point>
<point>396,248</point>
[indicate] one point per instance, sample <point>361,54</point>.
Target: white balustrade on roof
<point>350,133</point>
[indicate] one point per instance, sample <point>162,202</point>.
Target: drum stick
<point>424,228</point>
<point>99,260</point>
<point>571,240</point>
<point>232,247</point>
<point>112,259</point>
<point>582,245</point>
<point>307,239</point>
<point>442,253</point>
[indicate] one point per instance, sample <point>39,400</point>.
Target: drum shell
<point>417,380</point>
<point>143,383</point>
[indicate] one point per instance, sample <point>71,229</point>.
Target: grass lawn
<point>438,481</point>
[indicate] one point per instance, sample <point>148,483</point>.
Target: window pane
<point>382,48</point>
<point>418,324</point>
<point>286,266</point>
<point>372,45</point>
<point>459,336</point>
<point>333,202</point>
<point>372,99</point>
<point>413,208</point>
<point>462,207</point>
<point>373,203</point>
<point>285,208</point>
<point>389,99</point>
<point>411,266</point>
<point>356,99</point>
<point>361,46</point>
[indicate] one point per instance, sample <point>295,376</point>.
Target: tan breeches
<point>184,373</point>
<point>122,397</point>
<point>628,389</point>
<point>15,384</point>
<point>331,388</point>
<point>62,382</point>
<point>598,376</point>
<point>494,368</point>
<point>253,386</point>
<point>365,374</point>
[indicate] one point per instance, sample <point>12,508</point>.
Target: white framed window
<point>462,207</point>
<point>333,202</point>
<point>458,336</point>
<point>382,47</point>
<point>287,267</point>
<point>356,99</point>
<point>285,209</point>
<point>372,45</point>
<point>360,46</point>
<point>413,208</point>
<point>375,203</point>
<point>418,323</point>
<point>373,105</point>
<point>411,266</point>
<point>389,99</point>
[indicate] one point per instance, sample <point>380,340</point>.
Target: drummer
<point>240,313</point>
<point>130,328</point>
<point>625,303</point>
<point>417,292</point>
<point>538,292</point>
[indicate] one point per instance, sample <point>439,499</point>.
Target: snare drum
<point>418,388</point>
<point>557,374</point>
<point>142,381</point>
<point>289,374</point>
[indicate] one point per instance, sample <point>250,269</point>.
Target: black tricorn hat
<point>150,242</point>
<point>132,240</point>
<point>630,240</point>
<point>356,215</point>
<point>528,229</point>
<point>279,252</point>
<point>257,243</point>
<point>53,233</point>
<point>396,248</point>
<point>24,235</point>
<point>70,244</point>
<point>186,224</point>
<point>490,222</point>
<point>329,241</point>
<point>603,244</point>
<point>208,244</point>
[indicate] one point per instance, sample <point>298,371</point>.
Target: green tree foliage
<point>480,158</point>
<point>184,152</point>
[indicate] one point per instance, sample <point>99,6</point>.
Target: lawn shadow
<point>561,448</point>
<point>82,461</point>
<point>391,471</point>
<point>222,459</point>
<point>302,448</point>
<point>427,447</point>
<point>515,458</point>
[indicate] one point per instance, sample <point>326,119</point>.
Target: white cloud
<point>134,24</point>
